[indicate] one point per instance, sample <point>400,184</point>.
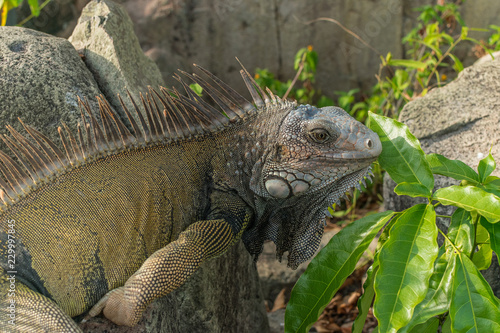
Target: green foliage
<point>416,286</point>
<point>198,90</point>
<point>6,5</point>
<point>334,264</point>
<point>494,39</point>
<point>305,64</point>
<point>430,62</point>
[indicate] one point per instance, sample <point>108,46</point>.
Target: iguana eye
<point>319,135</point>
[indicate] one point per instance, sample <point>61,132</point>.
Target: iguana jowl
<point>116,220</point>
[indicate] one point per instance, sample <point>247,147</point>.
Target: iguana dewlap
<point>117,219</point>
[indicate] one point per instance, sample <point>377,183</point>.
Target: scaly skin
<point>117,232</point>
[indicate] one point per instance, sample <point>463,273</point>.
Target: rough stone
<point>105,37</point>
<point>460,121</point>
<point>41,78</point>
<point>277,321</point>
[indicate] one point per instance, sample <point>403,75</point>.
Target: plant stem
<point>350,32</point>
<point>446,238</point>
<point>46,2</point>
<point>441,60</point>
<point>301,67</point>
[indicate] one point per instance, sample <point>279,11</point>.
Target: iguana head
<point>315,156</point>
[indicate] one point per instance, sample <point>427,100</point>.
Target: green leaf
<point>312,60</point>
<point>384,235</point>
<point>474,307</point>
<point>413,190</point>
<point>452,168</point>
<point>430,326</point>
<point>490,187</point>
<point>324,101</point>
<point>494,232</point>
<point>436,50</point>
<point>407,63</point>
<point>406,264</point>
<point>298,58</point>
<point>198,90</point>
<point>401,156</point>
<point>437,299</point>
<point>461,231</point>
<point>486,166</point>
<point>365,301</point>
<point>471,198</point>
<point>35,10</point>
<point>482,258</point>
<point>464,33</point>
<point>458,64</point>
<point>493,180</point>
<point>329,269</point>
<point>446,328</point>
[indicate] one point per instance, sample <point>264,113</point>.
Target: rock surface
<point>41,78</point>
<point>460,121</point>
<point>105,38</point>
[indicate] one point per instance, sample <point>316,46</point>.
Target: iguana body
<point>120,219</point>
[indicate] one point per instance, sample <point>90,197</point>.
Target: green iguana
<point>118,218</point>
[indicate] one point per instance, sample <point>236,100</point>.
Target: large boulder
<point>460,121</point>
<point>42,76</point>
<point>41,79</point>
<point>105,38</point>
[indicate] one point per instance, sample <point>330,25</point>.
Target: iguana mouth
<point>287,183</point>
<point>297,225</point>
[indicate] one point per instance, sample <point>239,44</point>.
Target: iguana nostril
<point>369,143</point>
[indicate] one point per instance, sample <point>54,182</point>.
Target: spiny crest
<point>169,116</point>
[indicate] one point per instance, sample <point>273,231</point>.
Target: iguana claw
<point>114,307</point>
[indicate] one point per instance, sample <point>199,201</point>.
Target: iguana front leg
<point>169,267</point>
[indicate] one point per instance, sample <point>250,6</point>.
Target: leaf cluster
<point>305,65</point>
<point>6,5</point>
<point>415,285</point>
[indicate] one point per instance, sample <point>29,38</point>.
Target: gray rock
<point>41,78</point>
<point>460,121</point>
<point>277,321</point>
<point>105,38</point>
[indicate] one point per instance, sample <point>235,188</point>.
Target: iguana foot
<point>115,307</point>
